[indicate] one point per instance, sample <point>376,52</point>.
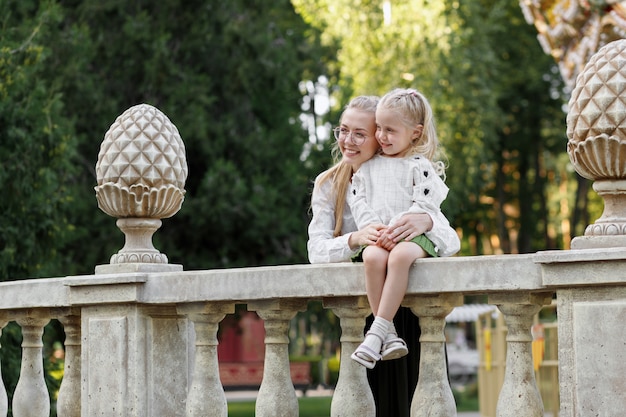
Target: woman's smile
<point>358,121</point>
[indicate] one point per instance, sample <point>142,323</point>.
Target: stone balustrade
<point>145,344</point>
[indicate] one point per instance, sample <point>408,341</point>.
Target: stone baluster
<point>519,396</point>
<point>433,396</point>
<point>4,401</point>
<point>31,398</point>
<point>68,404</point>
<point>206,397</point>
<point>353,396</point>
<point>277,395</point>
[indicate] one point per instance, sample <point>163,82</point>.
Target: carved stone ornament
<point>596,132</point>
<point>571,31</point>
<point>141,173</point>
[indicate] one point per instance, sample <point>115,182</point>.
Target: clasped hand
<point>408,227</point>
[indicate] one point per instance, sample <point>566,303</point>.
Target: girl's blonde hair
<point>413,109</point>
<point>340,173</point>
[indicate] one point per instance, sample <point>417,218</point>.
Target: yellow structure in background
<point>538,345</point>
<point>487,347</point>
<point>491,344</point>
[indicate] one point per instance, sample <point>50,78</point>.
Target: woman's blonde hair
<point>341,173</point>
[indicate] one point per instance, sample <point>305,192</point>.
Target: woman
<point>333,237</point>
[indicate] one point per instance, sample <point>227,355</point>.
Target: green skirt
<point>421,240</point>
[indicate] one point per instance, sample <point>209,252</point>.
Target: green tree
<point>227,75</point>
<point>36,146</point>
<point>496,97</point>
<point>526,137</point>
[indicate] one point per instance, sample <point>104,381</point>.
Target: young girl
<point>402,179</point>
<point>333,237</point>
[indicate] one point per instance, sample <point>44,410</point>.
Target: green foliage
<point>226,74</point>
<point>498,103</point>
<point>36,146</point>
<point>11,358</point>
<point>314,332</point>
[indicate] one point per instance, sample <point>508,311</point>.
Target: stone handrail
<point>145,344</point>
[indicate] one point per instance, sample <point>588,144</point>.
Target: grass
<point>309,407</point>
<point>320,406</point>
<point>466,397</point>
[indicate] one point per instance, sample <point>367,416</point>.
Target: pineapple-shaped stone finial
<point>596,132</point>
<point>141,173</point>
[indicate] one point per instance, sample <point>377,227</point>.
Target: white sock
<point>377,333</point>
<point>392,330</point>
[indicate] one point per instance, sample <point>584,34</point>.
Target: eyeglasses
<point>341,134</point>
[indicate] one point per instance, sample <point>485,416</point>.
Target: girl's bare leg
<point>395,284</point>
<point>375,261</point>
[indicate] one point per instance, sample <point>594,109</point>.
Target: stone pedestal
<point>592,358</point>
<point>609,231</point>
<point>129,349</point>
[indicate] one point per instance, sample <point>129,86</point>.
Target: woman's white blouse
<point>322,246</point>
<point>384,189</point>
